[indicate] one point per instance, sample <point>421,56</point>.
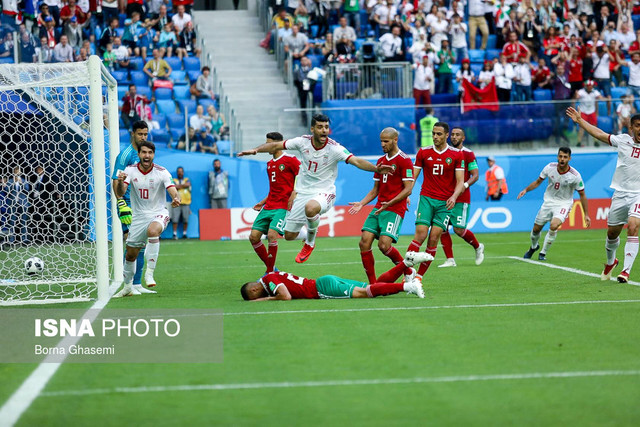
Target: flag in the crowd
<point>502,14</point>
<point>475,98</point>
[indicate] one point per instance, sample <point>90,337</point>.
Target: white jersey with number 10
<point>319,168</point>
<point>627,175</point>
<point>148,189</point>
<point>561,185</point>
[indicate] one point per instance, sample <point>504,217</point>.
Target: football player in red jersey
<point>384,222</point>
<point>282,171</point>
<point>460,213</point>
<point>443,182</point>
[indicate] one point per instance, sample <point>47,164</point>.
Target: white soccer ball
<point>34,265</point>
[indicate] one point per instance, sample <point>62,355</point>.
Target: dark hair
<point>565,150</point>
<point>458,127</point>
<point>276,136</point>
<point>179,167</point>
<point>443,125</point>
<point>634,118</point>
<point>319,117</point>
<point>139,124</point>
<point>131,85</point>
<point>244,291</point>
<point>150,145</point>
<point>205,68</point>
<point>115,18</point>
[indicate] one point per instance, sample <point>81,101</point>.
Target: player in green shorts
<point>279,285</point>
<point>282,171</point>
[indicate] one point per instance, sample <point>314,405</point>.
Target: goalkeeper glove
<point>124,212</point>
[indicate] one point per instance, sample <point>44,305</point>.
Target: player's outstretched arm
<point>267,147</point>
<point>597,133</point>
<point>175,197</point>
<point>531,187</point>
<point>120,186</point>
<point>368,166</point>
<point>282,294</point>
<point>585,209</point>
<point>372,194</point>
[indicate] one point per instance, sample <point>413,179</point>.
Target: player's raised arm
<point>368,166</point>
<point>120,186</point>
<point>531,187</point>
<point>583,202</point>
<point>592,130</point>
<point>267,147</point>
<point>372,194</point>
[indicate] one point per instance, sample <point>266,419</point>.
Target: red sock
<point>271,259</point>
<point>369,265</point>
<point>425,265</point>
<point>393,274</point>
<point>447,244</point>
<point>414,246</point>
<point>470,238</point>
<point>394,255</point>
<point>262,253</point>
<point>377,289</point>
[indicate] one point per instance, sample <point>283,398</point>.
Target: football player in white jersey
<point>625,203</point>
<point>558,200</point>
<point>315,186</point>
<point>150,215</point>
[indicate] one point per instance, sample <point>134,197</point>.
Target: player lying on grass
<point>285,286</point>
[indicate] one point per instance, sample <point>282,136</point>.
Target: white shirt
<point>423,79</point>
<point>319,168</point>
<point>627,175</point>
<point>602,69</point>
<point>439,32</point>
<point>121,52</point>
<point>476,8</point>
<point>588,100</point>
<point>504,75</point>
<point>347,31</point>
<point>459,35</point>
<point>197,123</point>
<point>624,110</point>
<point>485,75</point>
<point>626,39</point>
<point>561,185</point>
<point>148,190</point>
<point>634,74</point>
<point>178,22</point>
<point>523,73</point>
<point>390,44</point>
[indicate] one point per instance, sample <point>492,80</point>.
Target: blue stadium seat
<point>491,54</point>
<point>542,95</point>
<point>193,76</point>
<point>313,30</point>
<point>139,78</point>
<point>125,137</point>
<point>317,93</point>
<point>179,77</point>
<point>164,93</point>
<point>136,63</point>
<point>491,42</point>
<point>175,121</point>
<point>174,62</point>
<point>122,17</point>
<point>181,92</point>
<point>455,68</point>
<point>121,91</point>
<point>476,68</point>
<point>176,133</point>
<point>187,104</point>
<point>606,124</point>
<point>166,106</point>
<point>160,137</point>
<point>191,64</point>
<point>119,32</point>
<point>8,60</point>
<point>161,119</point>
<point>636,21</point>
<point>444,98</point>
<point>316,60</point>
<point>476,55</point>
<point>205,102</point>
<point>144,90</point>
<point>121,77</point>
<point>224,147</point>
<point>618,92</point>
<point>602,109</point>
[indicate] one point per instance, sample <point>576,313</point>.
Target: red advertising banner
<point>598,211</point>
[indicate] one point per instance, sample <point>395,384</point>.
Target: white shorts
<point>138,229</point>
<point>297,218</point>
<point>623,205</point>
<point>550,210</point>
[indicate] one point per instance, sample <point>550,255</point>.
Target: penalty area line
<point>568,269</point>
<point>342,383</point>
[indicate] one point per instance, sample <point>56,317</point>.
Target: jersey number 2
<point>273,176</point>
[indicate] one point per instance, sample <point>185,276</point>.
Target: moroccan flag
<point>475,98</point>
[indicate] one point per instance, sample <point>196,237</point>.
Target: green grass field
<point>504,343</point>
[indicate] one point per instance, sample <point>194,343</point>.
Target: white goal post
<point>55,182</point>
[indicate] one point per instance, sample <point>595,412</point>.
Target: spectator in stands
<point>44,12</point>
<point>73,31</point>
<point>72,10</point>
<point>439,30</point>
<point>501,16</point>
<point>603,19</point>
<point>486,75</point>
<point>203,87</point>
<point>202,125</point>
<point>301,17</point>
<point>515,49</point>
<point>511,24</point>
<point>195,141</point>
<point>285,31</point>
<point>208,144</point>
<point>46,53</point>
<point>531,29</point>
<point>82,55</point>
<point>109,58</point>
<point>625,36</point>
<point>458,34</point>
<point>423,82</point>
<point>187,4</point>
<point>551,43</point>
<point>63,52</point>
<point>609,33</point>
<point>445,58</point>
<point>464,73</point>
<point>328,48</point>
<point>615,65</point>
<point>27,49</point>
<point>383,16</point>
<point>122,54</point>
<point>343,30</point>
<point>587,98</point>
<point>130,102</point>
<point>345,50</point>
<point>159,19</point>
<point>303,84</point>
<point>219,128</point>
<point>180,19</point>
<point>522,79</point>
<point>352,14</point>
<point>157,68</point>
<point>504,78</point>
<point>634,73</point>
<point>297,44</point>
<point>9,13</point>
<point>391,45</point>
<point>218,186</point>
<point>108,35</point>
<point>109,11</point>
<point>165,41</point>
<point>541,78</point>
<point>624,112</point>
<point>48,32</point>
<point>477,22</point>
<point>601,73</point>
<point>187,42</point>
<point>421,47</point>
<point>137,6</point>
<point>562,97</point>
<point>131,37</point>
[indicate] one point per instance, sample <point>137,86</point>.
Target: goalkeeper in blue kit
<point>128,157</point>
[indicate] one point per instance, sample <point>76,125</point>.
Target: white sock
<point>630,253</point>
<point>129,271</point>
<point>534,239</point>
<point>312,228</point>
<point>612,246</point>
<point>548,240</point>
<point>302,235</point>
<point>151,254</point>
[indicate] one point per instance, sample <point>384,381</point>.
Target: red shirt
<point>282,174</point>
<point>546,42</point>
<point>511,49</point>
<point>575,70</point>
<point>392,185</point>
<point>298,287</point>
<point>541,74</point>
<point>634,46</point>
<point>78,13</point>
<point>439,171</point>
<point>469,159</point>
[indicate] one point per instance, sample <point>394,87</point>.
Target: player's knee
<point>458,231</point>
<point>272,236</point>
<point>312,208</point>
<point>254,239</point>
<point>364,244</point>
<point>633,228</point>
<point>384,246</point>
<point>290,235</point>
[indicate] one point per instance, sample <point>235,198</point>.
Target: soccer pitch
<point>505,343</point>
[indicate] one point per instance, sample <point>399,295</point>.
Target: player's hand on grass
<point>124,212</point>
<point>382,169</point>
<point>522,193</point>
<point>175,202</point>
<point>248,153</point>
<point>355,207</point>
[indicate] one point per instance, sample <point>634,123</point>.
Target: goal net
<point>58,139</point>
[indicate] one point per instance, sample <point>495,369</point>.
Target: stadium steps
<point>249,75</point>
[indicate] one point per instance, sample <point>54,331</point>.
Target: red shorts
<point>592,118</point>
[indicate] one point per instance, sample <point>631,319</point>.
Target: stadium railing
<point>367,80</point>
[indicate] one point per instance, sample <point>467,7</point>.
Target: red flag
<point>475,98</point>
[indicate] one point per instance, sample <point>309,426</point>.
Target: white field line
<point>569,269</point>
<point>32,387</point>
<point>342,383</point>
